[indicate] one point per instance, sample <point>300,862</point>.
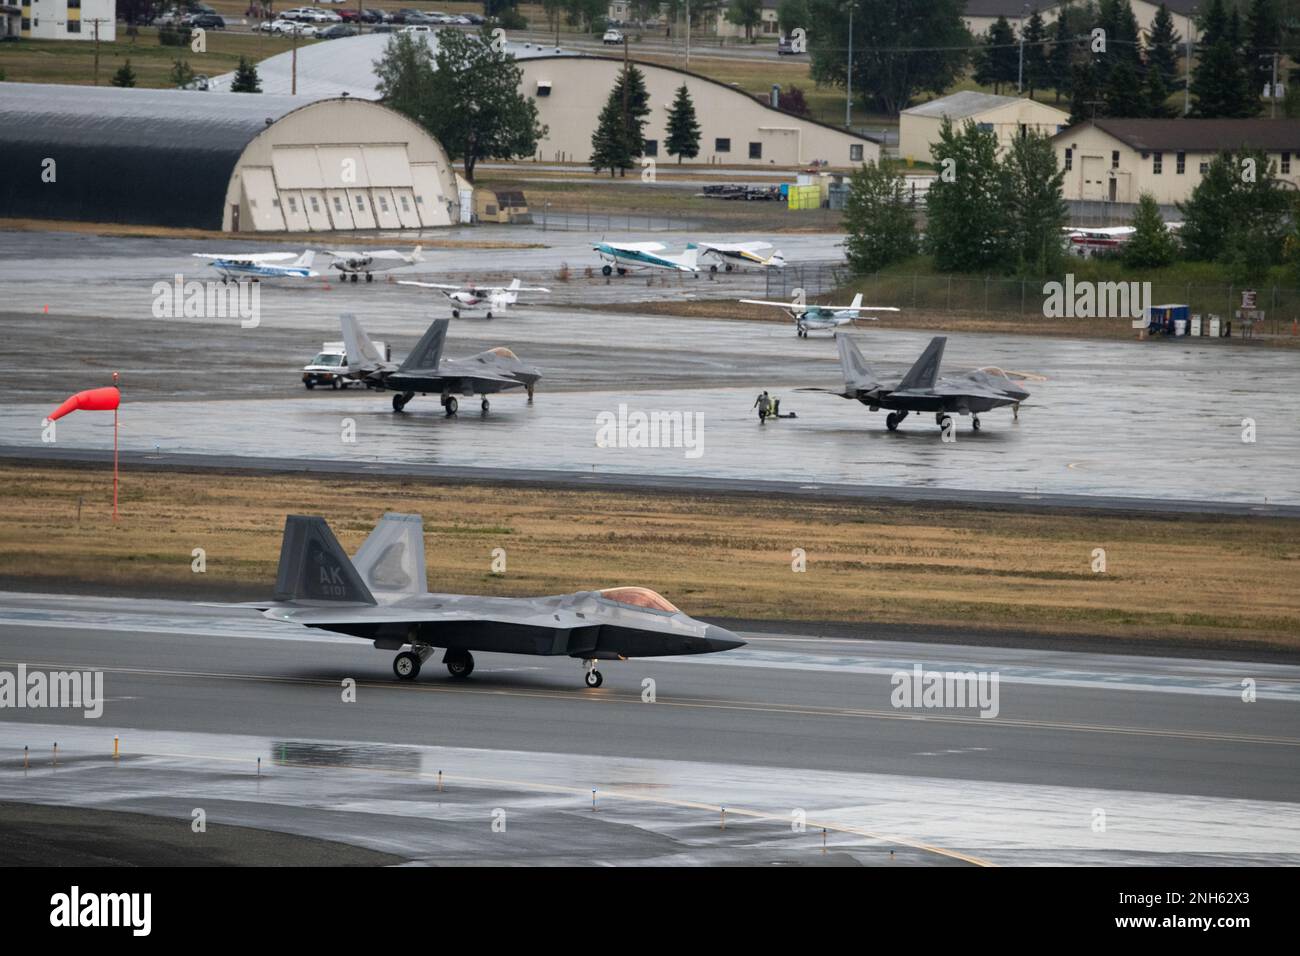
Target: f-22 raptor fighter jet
<point>922,390</point>
<point>426,371</point>
<point>382,596</point>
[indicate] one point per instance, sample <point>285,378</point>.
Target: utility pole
<point>293,68</point>
<point>1020,69</point>
<point>688,34</point>
<point>97,52</point>
<point>848,75</point>
<point>1187,65</point>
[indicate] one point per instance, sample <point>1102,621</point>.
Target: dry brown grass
<point>1188,579</point>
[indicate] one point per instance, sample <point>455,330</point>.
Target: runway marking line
<point>702,703</point>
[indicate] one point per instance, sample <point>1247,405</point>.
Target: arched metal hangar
<point>232,161</point>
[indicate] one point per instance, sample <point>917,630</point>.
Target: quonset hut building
<point>232,161</point>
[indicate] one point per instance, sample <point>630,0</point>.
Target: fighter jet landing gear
<point>593,677</point>
<point>486,405</point>
<point>406,665</point>
<point>460,664</point>
<point>399,401</point>
<point>455,313</point>
<point>975,422</point>
<point>450,405</point>
<point>943,420</point>
<point>894,419</point>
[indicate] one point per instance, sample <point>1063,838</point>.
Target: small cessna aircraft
<point>645,255</point>
<point>741,252</point>
<point>1096,241</point>
<point>261,265</point>
<point>367,263</point>
<point>495,298</point>
<point>823,318</point>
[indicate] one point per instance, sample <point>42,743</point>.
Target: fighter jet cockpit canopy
<point>639,597</point>
<point>502,352</point>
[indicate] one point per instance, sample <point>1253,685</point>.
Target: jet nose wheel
<point>593,678</point>
<point>975,422</point>
<point>455,313</point>
<point>406,665</point>
<point>486,405</point>
<point>399,401</point>
<point>891,422</point>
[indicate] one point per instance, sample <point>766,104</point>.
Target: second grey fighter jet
<point>426,371</point>
<point>922,390</point>
<point>382,596</point>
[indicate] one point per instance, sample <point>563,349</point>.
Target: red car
<point>350,16</point>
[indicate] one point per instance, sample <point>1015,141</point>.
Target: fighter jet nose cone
<point>721,639</point>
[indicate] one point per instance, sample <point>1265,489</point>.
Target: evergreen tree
<point>1263,39</point>
<point>1162,47</point>
<point>634,109</point>
<point>125,76</point>
<point>998,60</point>
<point>1085,94</point>
<point>1036,74</point>
<point>610,147</point>
<point>683,129</point>
<point>1221,83</point>
<point>1124,94</point>
<point>966,228</point>
<point>1060,60</point>
<point>1152,245</point>
<point>1035,208</point>
<point>878,218</point>
<point>1156,95</point>
<point>245,80</point>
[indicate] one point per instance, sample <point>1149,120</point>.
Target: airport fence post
<point>949,305</point>
<point>593,799</point>
<point>986,295</point>
<point>823,839</point>
<point>56,753</point>
<point>724,817</point>
<point>259,766</point>
<point>440,781</point>
<point>115,746</point>
<point>1022,298</point>
<point>914,292</point>
<point>25,763</point>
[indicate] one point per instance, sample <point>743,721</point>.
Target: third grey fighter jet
<point>382,596</point>
<point>425,370</point>
<point>922,390</point>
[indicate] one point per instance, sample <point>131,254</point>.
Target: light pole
<point>1020,69</point>
<point>848,75</point>
<point>1187,65</point>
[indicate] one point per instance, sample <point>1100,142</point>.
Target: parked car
<point>206,21</point>
<point>373,16</point>
<point>477,19</point>
<point>612,36</point>
<point>785,47</point>
<point>336,31</point>
<point>417,28</point>
<point>350,16</point>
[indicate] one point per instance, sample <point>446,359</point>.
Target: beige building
<point>341,164</point>
<point>1007,116</point>
<point>70,20</point>
<point>982,14</point>
<point>735,128</point>
<point>767,28</point>
<point>1117,160</point>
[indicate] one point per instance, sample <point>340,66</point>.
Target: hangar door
<point>260,202</point>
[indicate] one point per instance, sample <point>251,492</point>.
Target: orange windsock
<point>91,400</point>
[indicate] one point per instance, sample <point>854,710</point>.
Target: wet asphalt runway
<point>1181,768</point>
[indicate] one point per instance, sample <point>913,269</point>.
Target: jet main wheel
<point>369,277</point>
<point>455,313</point>
<point>593,678</point>
<point>606,270</point>
<point>975,423</point>
<point>891,422</point>
<point>400,400</point>
<point>451,405</point>
<point>489,315</point>
<point>461,665</point>
<point>354,277</point>
<point>486,405</point>
<point>406,665</point>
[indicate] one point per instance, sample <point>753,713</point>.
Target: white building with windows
<point>69,19</point>
<point>1117,160</point>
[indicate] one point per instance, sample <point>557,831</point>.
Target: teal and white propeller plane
<point>624,256</point>
<point>261,265</point>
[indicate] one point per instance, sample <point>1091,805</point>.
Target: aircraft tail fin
<point>514,285</point>
<point>857,373</point>
<point>360,350</point>
<point>314,568</point>
<point>417,254</point>
<point>857,301</point>
<point>391,560</point>
<point>691,257</point>
<point>305,260</point>
<point>776,259</point>
<point>428,351</point>
<point>926,370</point>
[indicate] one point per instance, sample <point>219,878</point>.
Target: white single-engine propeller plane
<point>261,265</point>
<point>495,299</point>
<point>645,255</point>
<point>744,253</point>
<point>822,318</point>
<point>371,261</point>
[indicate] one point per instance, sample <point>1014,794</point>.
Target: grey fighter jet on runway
<point>382,597</point>
<point>426,371</point>
<point>922,390</point>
